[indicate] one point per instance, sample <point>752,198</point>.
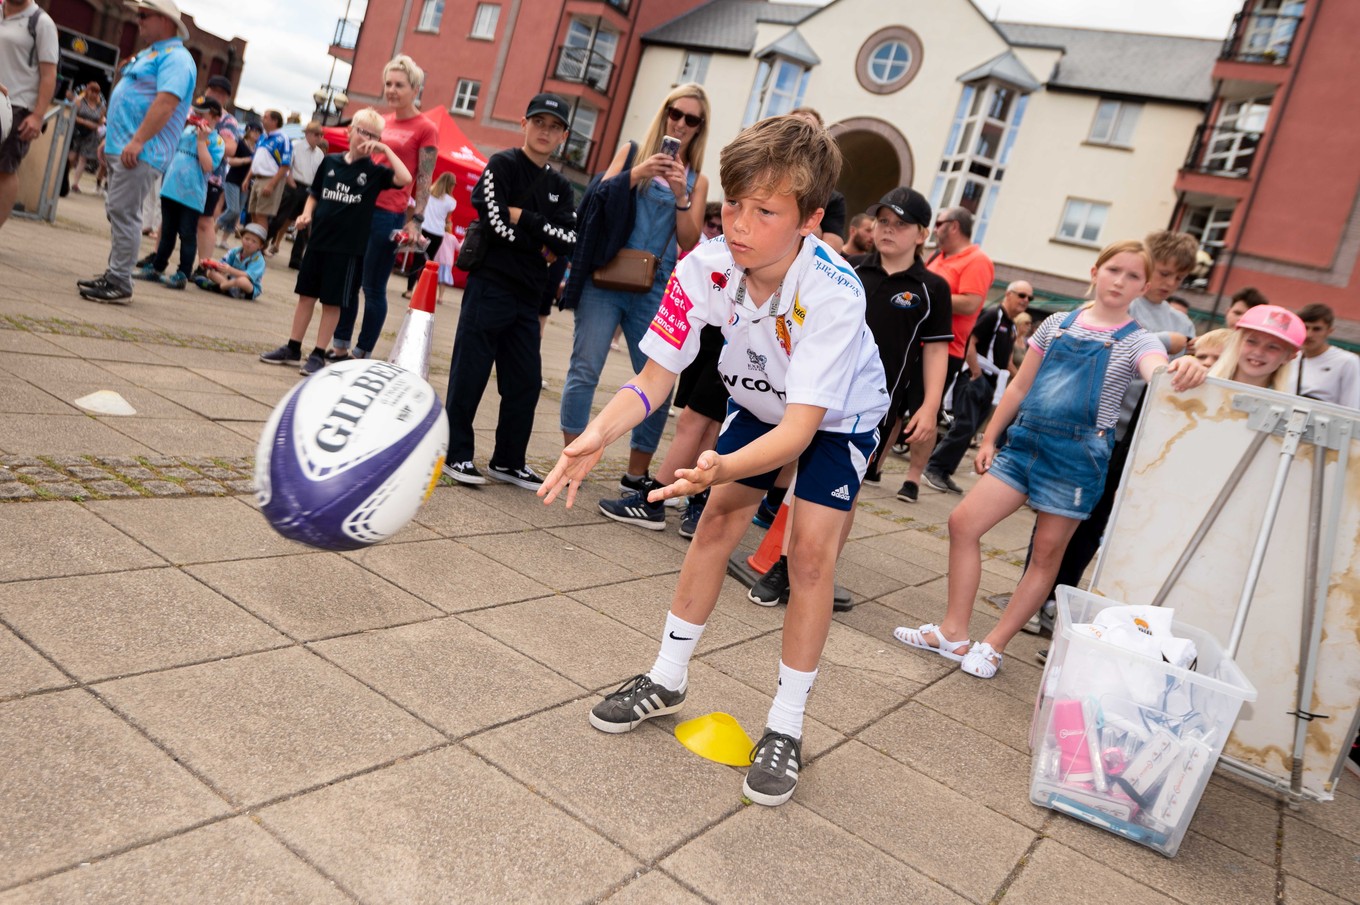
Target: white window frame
<point>767,99</point>
<point>972,168</point>
<point>694,67</point>
<point>484,22</point>
<point>431,14</point>
<point>465,97</point>
<point>1231,148</point>
<point>1083,212</point>
<point>1209,223</point>
<point>1114,123</point>
<point>896,68</point>
<point>587,35</point>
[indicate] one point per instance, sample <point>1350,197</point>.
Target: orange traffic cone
<point>412,347</point>
<point>771,546</point>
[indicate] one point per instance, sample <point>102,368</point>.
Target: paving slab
<point>49,434</point>
<point>313,595</point>
<point>401,835</point>
<point>231,861</point>
<point>185,437</point>
<point>57,539</point>
<point>1297,892</point>
<point>197,530</point>
<point>26,670</point>
<point>642,789</point>
<point>1057,875</point>
<point>448,575</point>
<point>20,396</point>
<point>113,625</point>
<point>725,866</point>
<point>266,725</point>
<point>81,783</point>
<point>450,675</point>
<point>455,512</point>
<point>550,560</point>
<point>653,888</point>
<point>1323,859</point>
<point>637,549</point>
<point>643,604</point>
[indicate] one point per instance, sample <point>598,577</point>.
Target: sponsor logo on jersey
<point>363,179</point>
<point>840,274</point>
<point>781,333</point>
<point>672,318</point>
<point>906,300</point>
<point>751,383</point>
<point>552,197</point>
<point>842,492</point>
<point>757,362</point>
<point>719,280</point>
<point>799,312</point>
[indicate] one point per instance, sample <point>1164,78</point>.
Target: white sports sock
<point>671,669</point>
<point>786,713</point>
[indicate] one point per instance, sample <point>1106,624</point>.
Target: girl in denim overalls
<point>1064,402</point>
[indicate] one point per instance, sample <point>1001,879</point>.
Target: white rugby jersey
<point>816,350</point>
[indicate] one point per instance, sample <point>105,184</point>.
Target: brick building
<point>114,22</point>
<point>485,60</point>
<point>1271,184</point>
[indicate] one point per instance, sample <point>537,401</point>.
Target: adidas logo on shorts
<point>842,492</point>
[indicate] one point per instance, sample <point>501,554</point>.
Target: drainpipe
<point>1260,164</point>
<point>401,29</point>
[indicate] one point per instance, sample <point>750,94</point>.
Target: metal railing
<point>1261,38</point>
<point>620,5</point>
<point>574,152</point>
<point>1222,152</point>
<point>346,34</point>
<point>585,66</point>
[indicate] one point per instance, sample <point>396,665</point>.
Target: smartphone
<point>193,119</point>
<point>670,146</point>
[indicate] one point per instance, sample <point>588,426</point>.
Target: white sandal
<point>982,661</point>
<point>915,637</point>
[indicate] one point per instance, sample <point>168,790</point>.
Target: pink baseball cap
<point>1278,322</point>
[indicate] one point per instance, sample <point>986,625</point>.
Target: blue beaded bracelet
<point>641,395</point>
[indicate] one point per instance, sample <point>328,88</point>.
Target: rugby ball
<point>349,455</point>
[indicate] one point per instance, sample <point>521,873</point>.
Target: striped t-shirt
<point>1124,358</point>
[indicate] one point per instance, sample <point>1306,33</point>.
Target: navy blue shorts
<point>1060,468</point>
<point>830,470</point>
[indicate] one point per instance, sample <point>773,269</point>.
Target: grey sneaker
<point>942,482</point>
<point>283,355</point>
<point>773,586</point>
<point>775,762</point>
<point>636,700</point>
<point>315,362</point>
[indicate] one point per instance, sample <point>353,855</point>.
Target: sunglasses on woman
<point>690,119</point>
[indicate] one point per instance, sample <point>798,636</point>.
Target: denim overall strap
<point>1065,397</point>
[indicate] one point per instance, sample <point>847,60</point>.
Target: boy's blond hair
<point>1176,249</point>
<point>782,154</point>
<point>369,119</point>
<point>402,63</point>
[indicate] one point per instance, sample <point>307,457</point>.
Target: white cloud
<point>1200,19</point>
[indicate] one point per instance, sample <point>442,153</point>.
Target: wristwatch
<point>419,218</point>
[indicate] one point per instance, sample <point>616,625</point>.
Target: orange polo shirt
<point>970,272</point>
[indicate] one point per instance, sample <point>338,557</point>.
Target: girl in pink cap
<point>1266,339</point>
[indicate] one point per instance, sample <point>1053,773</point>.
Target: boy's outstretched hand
<point>690,481</point>
<point>576,461</point>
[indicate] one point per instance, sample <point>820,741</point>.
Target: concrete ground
<point>193,709</point>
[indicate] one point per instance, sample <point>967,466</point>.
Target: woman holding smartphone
<point>668,198</point>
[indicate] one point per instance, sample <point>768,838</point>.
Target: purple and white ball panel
<point>349,455</point>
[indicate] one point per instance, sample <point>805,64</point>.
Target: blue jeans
<point>231,206</point>
<point>597,314</point>
<point>378,261</point>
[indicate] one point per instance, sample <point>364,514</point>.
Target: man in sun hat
<point>147,111</point>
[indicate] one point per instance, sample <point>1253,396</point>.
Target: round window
<point>888,62</point>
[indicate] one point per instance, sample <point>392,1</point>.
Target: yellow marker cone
<point>718,737</point>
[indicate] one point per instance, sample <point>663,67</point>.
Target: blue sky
<point>286,58</point>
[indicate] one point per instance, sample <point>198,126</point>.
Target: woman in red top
<point>414,139</point>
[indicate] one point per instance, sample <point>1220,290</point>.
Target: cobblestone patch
<point>34,478</point>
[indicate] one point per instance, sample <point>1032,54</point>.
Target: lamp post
<point>329,102</point>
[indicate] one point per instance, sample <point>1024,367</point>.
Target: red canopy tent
<point>456,155</point>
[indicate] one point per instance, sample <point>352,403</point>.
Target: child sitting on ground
<point>806,384</point>
<point>241,274</point>
<point>1264,342</point>
<point>339,210</point>
<point>1064,403</point>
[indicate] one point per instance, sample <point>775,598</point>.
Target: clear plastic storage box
<point>1124,741</point>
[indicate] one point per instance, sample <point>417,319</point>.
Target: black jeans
<point>495,327</point>
<point>972,405</point>
<point>180,221</point>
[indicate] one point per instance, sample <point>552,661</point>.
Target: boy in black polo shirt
<point>528,213</point>
<point>909,313</point>
<point>339,208</point>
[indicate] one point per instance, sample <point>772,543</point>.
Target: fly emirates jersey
<point>807,345</point>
